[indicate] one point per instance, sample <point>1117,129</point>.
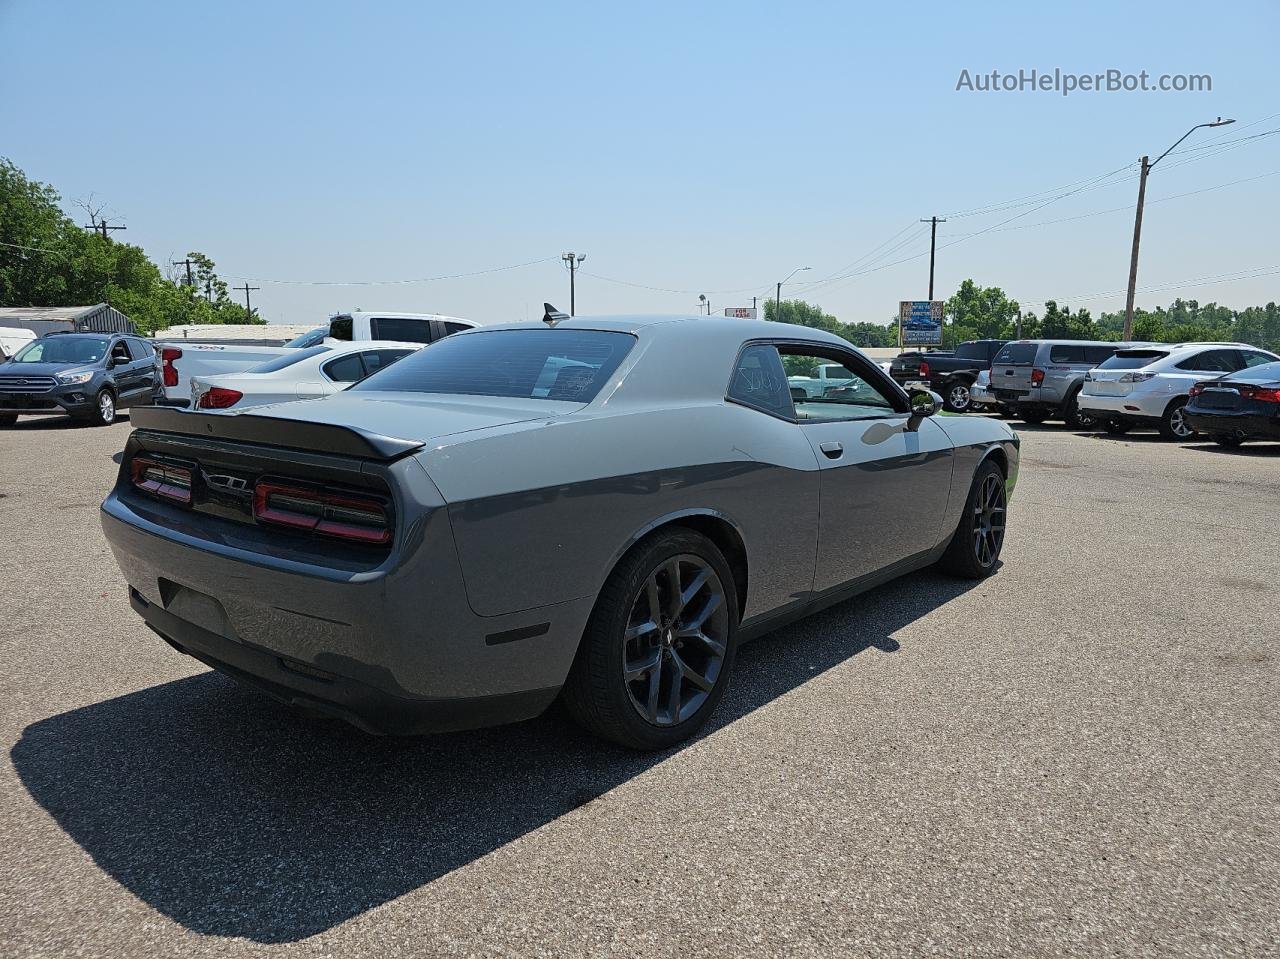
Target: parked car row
<point>1222,390</point>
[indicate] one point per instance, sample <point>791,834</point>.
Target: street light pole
<point>1146,166</point>
<point>572,261</point>
<point>777,299</point>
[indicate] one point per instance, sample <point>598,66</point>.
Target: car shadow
<point>1255,448</point>
<point>50,423</point>
<point>235,817</point>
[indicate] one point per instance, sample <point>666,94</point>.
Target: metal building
<point>40,320</point>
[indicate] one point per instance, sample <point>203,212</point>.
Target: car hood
<point>415,416</point>
<point>43,369</point>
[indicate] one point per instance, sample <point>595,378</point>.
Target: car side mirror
<point>923,403</point>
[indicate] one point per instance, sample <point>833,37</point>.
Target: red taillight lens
<point>1261,394</point>
<point>1037,377</point>
<point>350,516</point>
<point>167,356</point>
<point>161,479</point>
<point>219,398</point>
<point>1196,390</point>
<point>924,368</point>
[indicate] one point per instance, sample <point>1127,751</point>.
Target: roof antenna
<point>553,316</point>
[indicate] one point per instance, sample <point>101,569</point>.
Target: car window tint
<point>550,364</point>
<point>814,399</point>
<point>1093,355</point>
<point>1066,354</point>
<point>314,338</point>
<point>344,369</point>
<point>342,328</point>
<point>1253,358</point>
<point>120,352</point>
<point>141,348</point>
<point>759,381</point>
<point>1131,359</point>
<point>286,360</point>
<point>375,360</point>
<point>1016,354</point>
<point>455,328</point>
<point>1211,361</point>
<point>401,329</point>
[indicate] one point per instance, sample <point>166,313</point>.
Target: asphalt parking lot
<point>1075,757</point>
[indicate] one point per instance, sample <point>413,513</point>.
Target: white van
<point>13,339</point>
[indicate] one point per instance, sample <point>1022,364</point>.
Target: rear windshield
<point>1017,354</point>
<point>972,351</point>
<point>529,364</point>
<point>286,360</point>
<point>312,338</point>
<point>1132,359</point>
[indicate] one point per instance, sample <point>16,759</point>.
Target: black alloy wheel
<point>974,550</point>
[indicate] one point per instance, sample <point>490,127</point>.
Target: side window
<point>1211,361</point>
<point>141,349</point>
<point>341,328</point>
<point>375,360</point>
<point>1066,354</point>
<point>344,369</point>
<point>455,328</point>
<point>1098,354</point>
<point>401,329</point>
<point>760,382</point>
<point>849,398</point>
<point>120,352</point>
<point>1253,358</point>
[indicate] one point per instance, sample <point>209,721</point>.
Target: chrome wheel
<point>1178,424</point>
<point>675,640</point>
<point>106,408</point>
<point>958,396</point>
<point>988,520</point>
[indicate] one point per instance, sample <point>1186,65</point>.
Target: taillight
<point>162,479</point>
<point>219,398</point>
<point>363,519</point>
<point>1136,377</point>
<point>1196,390</point>
<point>1037,377</point>
<point>167,355</point>
<point>1259,393</point>
<point>924,368</point>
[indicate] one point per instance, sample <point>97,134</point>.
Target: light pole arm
<point>1179,140</point>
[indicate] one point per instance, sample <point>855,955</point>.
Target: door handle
<point>832,451</point>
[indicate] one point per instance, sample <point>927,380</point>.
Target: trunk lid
<point>1108,383</point>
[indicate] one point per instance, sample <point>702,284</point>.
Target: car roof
<point>642,323</point>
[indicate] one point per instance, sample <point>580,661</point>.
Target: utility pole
<point>102,228</point>
<point>572,261</point>
<point>187,264</point>
<point>247,288</point>
<point>1133,256</point>
<point>933,247</point>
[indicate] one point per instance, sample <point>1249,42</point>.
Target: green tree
<point>982,312</point>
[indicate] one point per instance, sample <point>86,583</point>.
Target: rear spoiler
<point>274,431</point>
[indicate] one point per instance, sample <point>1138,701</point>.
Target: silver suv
<point>1038,379</point>
<point>1148,387</point>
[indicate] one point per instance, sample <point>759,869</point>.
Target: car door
<point>124,371</point>
<point>885,477</point>
<point>148,369</point>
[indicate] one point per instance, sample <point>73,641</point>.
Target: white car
<point>13,339</point>
<point>297,375</point>
<point>1148,385</point>
<point>981,399</point>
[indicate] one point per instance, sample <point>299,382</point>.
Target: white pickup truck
<point>829,376</point>
<point>181,360</point>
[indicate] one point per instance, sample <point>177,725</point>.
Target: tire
<point>1116,427</point>
<point>1173,426</point>
<point>1228,441</point>
<point>105,414</point>
<point>640,628</point>
<point>1033,416</point>
<point>1075,418</point>
<point>955,397</point>
<point>974,550</point>
<point>8,419</point>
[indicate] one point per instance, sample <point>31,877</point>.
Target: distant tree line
<point>47,259</point>
<point>975,312</point>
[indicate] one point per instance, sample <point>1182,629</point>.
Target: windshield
<point>63,350</point>
<point>285,360</point>
<point>1132,359</point>
<point>312,338</point>
<point>547,364</point>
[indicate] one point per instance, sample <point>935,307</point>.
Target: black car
<point>1239,406</point>
<point>949,373</point>
<point>88,376</point>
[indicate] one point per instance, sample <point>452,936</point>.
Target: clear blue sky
<point>700,149</point>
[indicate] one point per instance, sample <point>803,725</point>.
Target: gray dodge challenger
<point>595,509</point>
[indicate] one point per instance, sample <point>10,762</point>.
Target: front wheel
<point>956,399</point>
<point>105,414</point>
<point>1077,418</point>
<point>975,547</point>
<point>1174,425</point>
<point>1228,440</point>
<point>659,646</point>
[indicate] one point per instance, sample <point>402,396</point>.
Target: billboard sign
<point>920,322</point>
<point>740,312</point>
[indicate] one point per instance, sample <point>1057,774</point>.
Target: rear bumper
<point>394,649</point>
<point>1243,422</point>
<point>1136,405</point>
